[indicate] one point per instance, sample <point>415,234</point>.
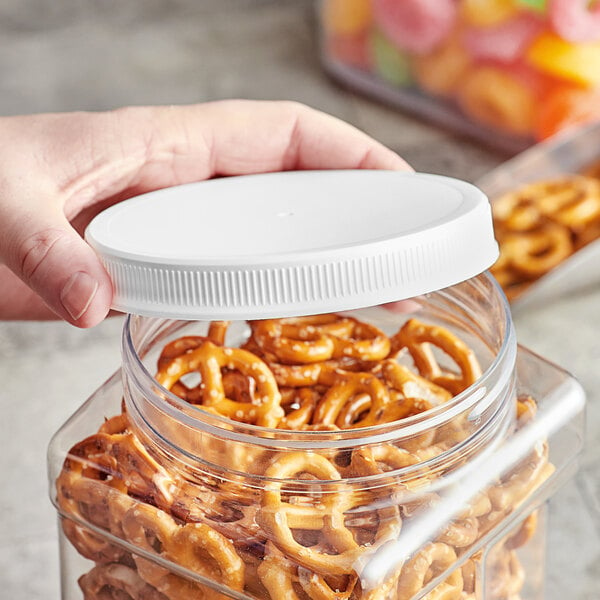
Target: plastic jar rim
<point>254,435</point>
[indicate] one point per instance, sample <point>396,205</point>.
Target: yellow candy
<point>346,17</point>
<point>579,63</point>
<point>486,13</point>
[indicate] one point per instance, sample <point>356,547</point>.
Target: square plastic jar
<point>508,72</point>
<point>392,452</point>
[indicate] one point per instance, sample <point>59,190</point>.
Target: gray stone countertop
<point>72,54</point>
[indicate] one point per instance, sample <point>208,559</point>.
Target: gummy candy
<point>485,13</point>
<point>566,107</point>
<point>579,63</point>
<point>575,20</point>
<point>538,5</point>
<point>496,98</point>
<point>415,25</point>
<point>390,63</point>
<point>345,17</point>
<point>350,49</point>
<point>504,42</point>
<point>440,71</point>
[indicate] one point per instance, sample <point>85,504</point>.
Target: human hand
<point>60,170</point>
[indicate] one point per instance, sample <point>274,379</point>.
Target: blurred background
<point>80,55</point>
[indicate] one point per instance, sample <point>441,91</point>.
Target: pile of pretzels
<point>300,523</point>
<point>541,224</point>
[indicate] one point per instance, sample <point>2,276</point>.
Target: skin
<point>60,170</point>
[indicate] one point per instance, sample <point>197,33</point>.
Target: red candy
<point>505,42</point>
<point>415,25</point>
<point>575,20</point>
<point>567,107</point>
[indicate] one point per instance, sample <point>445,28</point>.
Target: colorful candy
<point>389,63</point>
<point>346,17</point>
<point>504,42</point>
<point>486,13</point>
<point>527,68</point>
<point>576,20</point>
<point>579,63</point>
<point>415,25</point>
<point>496,98</point>
<point>564,108</point>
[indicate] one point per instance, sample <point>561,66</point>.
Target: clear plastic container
<point>507,72</point>
<point>412,459</point>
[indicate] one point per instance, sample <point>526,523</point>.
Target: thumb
<point>55,262</point>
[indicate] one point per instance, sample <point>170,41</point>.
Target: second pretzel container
<point>350,418</point>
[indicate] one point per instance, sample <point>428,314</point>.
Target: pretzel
<point>88,477</point>
<point>427,564</point>
<point>364,342</point>
<point>347,386</point>
<point>416,337</point>
<point>299,404</point>
<point>534,253</point>
<point>116,582</point>
<point>379,459</point>
<point>275,522</point>
<point>541,224</point>
<point>290,344</point>
<point>209,359</point>
<point>410,385</point>
<point>204,551</point>
<point>150,529</point>
<point>461,533</point>
<point>525,532</point>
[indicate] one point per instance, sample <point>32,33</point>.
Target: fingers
<point>58,266</point>
<point>165,146</point>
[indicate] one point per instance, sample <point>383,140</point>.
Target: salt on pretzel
<point>209,359</point>
<point>427,564</point>
<point>417,337</point>
<point>114,582</point>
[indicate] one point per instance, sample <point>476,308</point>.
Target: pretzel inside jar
<point>304,529</point>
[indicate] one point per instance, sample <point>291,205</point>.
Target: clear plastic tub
<point>392,452</point>
<point>172,500</point>
<point>507,72</point>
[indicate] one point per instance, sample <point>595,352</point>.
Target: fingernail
<point>78,293</point>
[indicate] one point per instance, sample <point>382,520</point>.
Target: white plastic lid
<point>292,243</point>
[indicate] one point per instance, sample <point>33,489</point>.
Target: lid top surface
<point>311,234</point>
<point>264,216</point>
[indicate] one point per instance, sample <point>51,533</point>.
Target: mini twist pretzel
<point>523,480</point>
<point>209,359</point>
<point>88,476</point>
<point>273,518</point>
<point>203,550</point>
<point>116,582</point>
<point>417,337</point>
<point>525,532</point>
<point>375,460</point>
<point>426,565</point>
<point>346,386</point>
<point>291,346</point>
<point>400,378</point>
<point>364,342</point>
<point>299,404</point>
<point>150,529</point>
<point>534,253</point>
